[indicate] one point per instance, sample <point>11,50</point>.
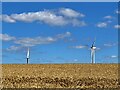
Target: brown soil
<point>60,75</point>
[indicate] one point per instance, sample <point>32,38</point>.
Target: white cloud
<point>35,41</point>
<point>80,46</point>
<point>102,25</point>
<point>84,47</point>
<point>70,40</point>
<point>7,18</point>
<point>117,26</point>
<point>110,44</point>
<point>6,37</point>
<point>13,48</point>
<point>117,11</point>
<point>111,57</point>
<point>108,17</point>
<point>76,22</point>
<point>59,17</point>
<point>75,60</point>
<point>67,34</point>
<point>27,41</point>
<point>43,16</point>
<point>70,13</point>
<point>40,40</point>
<point>108,20</point>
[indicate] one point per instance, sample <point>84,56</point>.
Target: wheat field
<point>60,75</point>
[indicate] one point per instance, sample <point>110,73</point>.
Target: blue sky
<point>60,1</point>
<point>59,32</point>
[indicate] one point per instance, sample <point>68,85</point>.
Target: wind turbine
<point>28,56</point>
<point>93,48</point>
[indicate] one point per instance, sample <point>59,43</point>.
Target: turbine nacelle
<point>93,48</point>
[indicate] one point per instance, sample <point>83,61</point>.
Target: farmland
<point>60,75</point>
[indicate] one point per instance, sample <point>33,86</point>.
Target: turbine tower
<point>28,55</point>
<point>93,48</point>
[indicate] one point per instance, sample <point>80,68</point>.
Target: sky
<point>60,0</point>
<point>59,32</point>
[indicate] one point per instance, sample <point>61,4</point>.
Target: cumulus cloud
<point>70,40</point>
<point>41,40</point>
<point>7,18</point>
<point>107,20</point>
<point>117,26</point>
<point>59,18</point>
<point>43,16</point>
<point>35,41</point>
<point>117,11</point>
<point>80,46</point>
<point>13,48</point>
<point>84,47</point>
<point>76,22</point>
<point>67,34</point>
<point>76,60</point>
<point>6,37</point>
<point>111,57</point>
<point>27,41</point>
<point>110,44</point>
<point>108,17</point>
<point>70,13</point>
<point>102,25</point>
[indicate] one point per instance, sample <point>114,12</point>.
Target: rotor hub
<point>93,48</point>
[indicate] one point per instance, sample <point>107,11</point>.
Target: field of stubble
<point>60,75</point>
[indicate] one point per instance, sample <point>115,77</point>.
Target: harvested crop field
<point>60,75</point>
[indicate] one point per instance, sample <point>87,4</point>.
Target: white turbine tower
<point>28,55</point>
<point>93,48</point>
